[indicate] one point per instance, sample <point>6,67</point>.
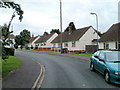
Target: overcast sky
<point>43,15</point>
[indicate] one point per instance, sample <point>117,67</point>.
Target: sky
<point>44,15</point>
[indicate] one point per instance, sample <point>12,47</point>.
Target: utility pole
<point>61,25</point>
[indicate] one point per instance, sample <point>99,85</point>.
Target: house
<point>77,40</point>
<point>10,40</point>
<point>32,41</point>
<point>111,39</point>
<point>44,42</point>
<point>11,37</point>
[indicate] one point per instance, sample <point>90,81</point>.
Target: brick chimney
<point>32,35</point>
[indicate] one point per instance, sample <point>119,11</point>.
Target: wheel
<point>107,77</point>
<point>92,67</point>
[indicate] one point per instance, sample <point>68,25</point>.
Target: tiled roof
<point>32,39</point>
<point>44,38</point>
<point>74,36</point>
<point>113,34</point>
<point>11,36</point>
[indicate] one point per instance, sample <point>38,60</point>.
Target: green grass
<point>0,68</point>
<point>86,55</point>
<point>9,65</point>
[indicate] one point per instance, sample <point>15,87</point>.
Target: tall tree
<point>25,35</point>
<point>55,31</point>
<point>71,24</point>
<point>23,38</point>
<point>5,29</point>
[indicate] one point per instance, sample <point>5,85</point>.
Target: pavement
<point>26,75</point>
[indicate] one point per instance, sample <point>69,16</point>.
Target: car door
<point>101,63</point>
<point>95,60</point>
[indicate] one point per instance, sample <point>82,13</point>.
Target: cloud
<point>43,15</point>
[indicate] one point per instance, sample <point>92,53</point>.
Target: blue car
<point>108,64</point>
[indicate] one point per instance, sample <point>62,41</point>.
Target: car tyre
<point>107,77</point>
<point>92,67</point>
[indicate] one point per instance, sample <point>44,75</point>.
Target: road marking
<point>40,78</point>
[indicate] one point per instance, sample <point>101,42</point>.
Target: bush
<point>21,47</point>
<point>31,47</point>
<point>16,46</point>
<point>6,52</point>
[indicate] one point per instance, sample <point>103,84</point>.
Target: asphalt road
<point>67,72</point>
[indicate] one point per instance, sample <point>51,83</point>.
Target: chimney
<point>32,35</point>
<point>70,30</point>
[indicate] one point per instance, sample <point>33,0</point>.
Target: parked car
<point>108,64</point>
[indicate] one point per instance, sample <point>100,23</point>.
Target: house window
<point>59,45</point>
<point>65,44</point>
<point>117,44</point>
<point>73,44</point>
<point>54,45</point>
<point>44,44</point>
<point>106,45</point>
<point>41,44</point>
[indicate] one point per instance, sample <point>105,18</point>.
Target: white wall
<point>85,40</point>
<point>48,42</point>
<point>111,45</point>
<point>33,43</point>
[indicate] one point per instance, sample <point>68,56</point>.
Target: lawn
<point>0,68</point>
<point>86,54</point>
<point>9,65</point>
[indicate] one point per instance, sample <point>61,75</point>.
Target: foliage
<point>32,47</point>
<point>71,24</point>
<point>26,47</point>
<point>23,38</point>
<point>11,64</point>
<point>5,28</point>
<point>45,33</point>
<point>55,31</point>
<point>14,6</point>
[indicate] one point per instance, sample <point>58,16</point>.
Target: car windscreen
<point>112,56</point>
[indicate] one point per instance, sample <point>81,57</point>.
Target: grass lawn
<point>0,68</point>
<point>86,54</point>
<point>10,64</point>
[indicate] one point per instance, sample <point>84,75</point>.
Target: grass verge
<point>9,65</point>
<point>86,55</point>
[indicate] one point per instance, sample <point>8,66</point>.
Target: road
<point>67,72</point>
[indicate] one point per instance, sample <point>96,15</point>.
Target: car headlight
<point>117,72</point>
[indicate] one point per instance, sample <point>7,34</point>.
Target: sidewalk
<point>24,77</point>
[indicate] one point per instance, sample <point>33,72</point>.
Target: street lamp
<point>61,24</point>
<point>96,26</point>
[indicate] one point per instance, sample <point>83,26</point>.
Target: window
<point>117,44</point>
<point>106,45</point>
<point>41,44</point>
<point>59,45</point>
<point>65,44</point>
<point>54,45</point>
<point>44,44</point>
<point>101,56</point>
<point>73,44</point>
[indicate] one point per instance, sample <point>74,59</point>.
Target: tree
<point>5,28</point>
<point>11,4</point>
<point>71,24</point>
<point>23,38</point>
<point>55,31</point>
